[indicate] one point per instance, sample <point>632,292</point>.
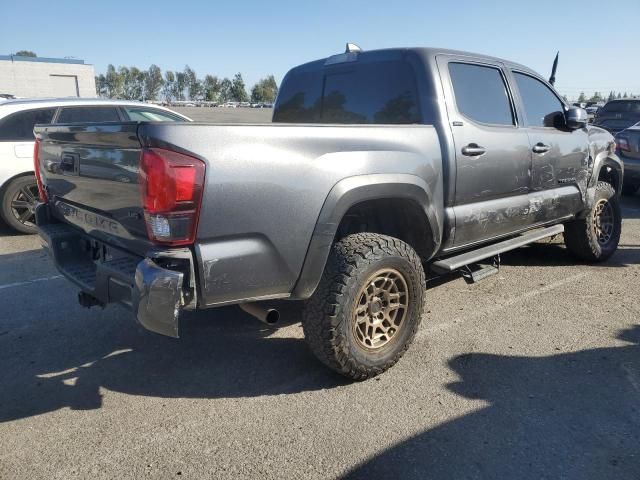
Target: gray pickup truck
<point>377,166</point>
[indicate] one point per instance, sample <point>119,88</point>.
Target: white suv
<point>18,188</point>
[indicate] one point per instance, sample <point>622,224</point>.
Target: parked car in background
<point>617,115</point>
<point>628,149</point>
<point>18,188</point>
<point>592,111</point>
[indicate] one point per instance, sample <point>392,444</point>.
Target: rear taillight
<point>36,169</point>
<point>622,144</point>
<point>171,185</point>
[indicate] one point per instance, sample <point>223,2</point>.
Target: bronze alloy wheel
<point>603,221</point>
<point>381,308</point>
<point>23,204</point>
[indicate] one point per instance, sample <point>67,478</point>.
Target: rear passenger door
<point>493,156</point>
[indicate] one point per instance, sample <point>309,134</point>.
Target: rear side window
<point>88,115</point>
<point>300,99</point>
<point>18,127</point>
<point>542,107</point>
<point>481,93</point>
<point>368,93</point>
<point>142,114</point>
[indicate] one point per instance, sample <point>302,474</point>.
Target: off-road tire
<point>580,236</point>
<point>328,316</point>
<point>8,194</point>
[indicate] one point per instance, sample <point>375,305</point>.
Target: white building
<point>46,77</point>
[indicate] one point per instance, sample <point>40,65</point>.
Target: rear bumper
<point>156,295</point>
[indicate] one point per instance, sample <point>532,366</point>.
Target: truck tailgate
<point>91,173</point>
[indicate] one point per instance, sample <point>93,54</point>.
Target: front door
<point>493,155</point>
<point>560,156</point>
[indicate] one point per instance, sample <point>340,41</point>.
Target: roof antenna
<point>352,48</point>
<point>552,79</point>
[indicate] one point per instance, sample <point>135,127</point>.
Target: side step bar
<point>451,264</point>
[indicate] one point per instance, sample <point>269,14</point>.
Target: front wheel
<point>367,307</point>
<point>595,237</point>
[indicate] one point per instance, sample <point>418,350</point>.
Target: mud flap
<point>157,298</point>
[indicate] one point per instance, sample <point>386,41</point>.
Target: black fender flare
<point>349,192</point>
<point>607,159</point>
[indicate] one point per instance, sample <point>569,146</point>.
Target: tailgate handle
<point>69,163</point>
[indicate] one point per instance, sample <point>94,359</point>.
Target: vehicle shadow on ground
<point>221,353</point>
<point>631,206</point>
<point>571,416</point>
<point>556,255</point>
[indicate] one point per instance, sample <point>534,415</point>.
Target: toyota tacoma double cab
<point>377,166</point>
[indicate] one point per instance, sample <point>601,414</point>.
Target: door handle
<point>473,150</point>
<point>541,148</point>
<point>69,163</point>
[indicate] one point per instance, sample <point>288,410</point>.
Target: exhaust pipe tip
<point>270,316</point>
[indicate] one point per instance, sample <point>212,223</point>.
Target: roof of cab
<point>389,53</point>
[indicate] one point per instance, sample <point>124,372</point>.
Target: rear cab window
<point>88,114</point>
<point>18,126</point>
<point>374,92</point>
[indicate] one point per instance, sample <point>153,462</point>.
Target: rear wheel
<point>367,308</point>
<point>595,237</point>
<point>19,202</point>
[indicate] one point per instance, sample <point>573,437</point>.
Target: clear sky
<point>598,41</point>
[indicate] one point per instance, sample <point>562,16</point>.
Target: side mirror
<point>576,118</point>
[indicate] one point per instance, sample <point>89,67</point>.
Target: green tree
<point>225,92</point>
<point>625,95</point>
<point>180,85</point>
<point>113,82</point>
<point>169,85</point>
<point>194,86</point>
<point>152,82</point>
<point>238,89</point>
<point>265,90</point>
<point>596,97</point>
<point>25,53</point>
<point>211,88</point>
<point>612,95</point>
<point>582,98</point>
<point>101,85</point>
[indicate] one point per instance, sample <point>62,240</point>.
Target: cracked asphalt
<point>531,373</point>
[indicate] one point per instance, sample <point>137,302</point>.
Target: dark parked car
<point>617,115</point>
<point>628,147</point>
<point>378,165</point>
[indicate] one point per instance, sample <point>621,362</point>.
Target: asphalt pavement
<point>531,373</point>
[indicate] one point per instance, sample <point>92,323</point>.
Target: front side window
<point>88,115</point>
<point>481,93</point>
<point>143,114</point>
<point>541,105</point>
<point>18,127</point>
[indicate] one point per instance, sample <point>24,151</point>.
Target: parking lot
<point>531,373</point>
